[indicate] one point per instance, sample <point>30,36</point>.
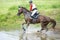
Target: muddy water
<point>50,35</point>
<point>30,34</point>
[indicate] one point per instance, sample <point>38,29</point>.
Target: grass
<point>9,8</point>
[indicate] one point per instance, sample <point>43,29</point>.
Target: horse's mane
<point>25,9</point>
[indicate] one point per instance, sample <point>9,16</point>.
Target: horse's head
<point>20,10</point>
<point>23,10</point>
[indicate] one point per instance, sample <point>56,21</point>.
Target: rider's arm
<point>30,7</point>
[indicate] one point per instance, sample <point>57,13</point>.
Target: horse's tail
<point>54,23</point>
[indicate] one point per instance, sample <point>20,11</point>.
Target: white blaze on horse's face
<point>19,9</point>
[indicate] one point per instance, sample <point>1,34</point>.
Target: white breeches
<point>33,12</point>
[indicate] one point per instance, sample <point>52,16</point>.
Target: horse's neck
<point>25,12</point>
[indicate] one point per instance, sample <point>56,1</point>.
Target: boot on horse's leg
<point>24,29</point>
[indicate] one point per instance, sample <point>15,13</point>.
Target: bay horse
<point>44,20</point>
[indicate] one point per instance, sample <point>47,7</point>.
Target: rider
<point>33,9</point>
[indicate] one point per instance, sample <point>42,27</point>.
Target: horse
<point>43,20</point>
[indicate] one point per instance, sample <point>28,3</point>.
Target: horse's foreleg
<point>27,24</point>
<point>23,26</point>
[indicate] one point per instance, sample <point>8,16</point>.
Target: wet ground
<point>30,34</point>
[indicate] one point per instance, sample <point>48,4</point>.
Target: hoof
<point>38,31</point>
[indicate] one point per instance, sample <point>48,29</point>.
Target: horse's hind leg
<point>44,25</point>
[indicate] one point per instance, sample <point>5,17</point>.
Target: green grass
<point>9,8</point>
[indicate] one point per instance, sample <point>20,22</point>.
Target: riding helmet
<point>30,1</point>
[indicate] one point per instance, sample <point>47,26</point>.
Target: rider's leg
<point>33,12</point>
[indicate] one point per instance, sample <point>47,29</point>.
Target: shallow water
<point>30,34</point>
<point>49,35</point>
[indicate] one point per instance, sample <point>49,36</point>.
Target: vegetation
<point>9,8</point>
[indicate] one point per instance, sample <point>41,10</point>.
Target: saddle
<point>35,17</point>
